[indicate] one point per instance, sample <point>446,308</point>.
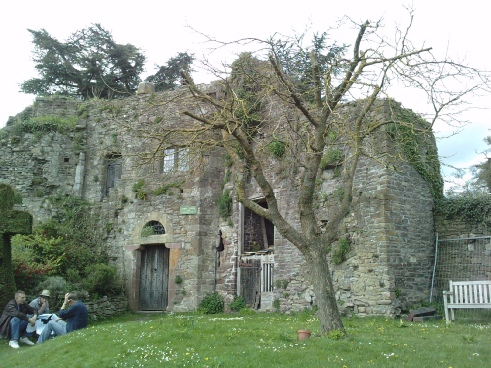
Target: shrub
<point>336,335</point>
<point>64,246</point>
<point>34,257</point>
<point>27,276</point>
<point>331,159</point>
<point>46,124</point>
<point>212,304</point>
<point>167,188</point>
<point>102,279</point>
<point>238,303</point>
<point>277,148</point>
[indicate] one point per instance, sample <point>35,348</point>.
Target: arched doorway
<point>154,277</point>
<point>150,260</point>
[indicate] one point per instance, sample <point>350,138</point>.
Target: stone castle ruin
<point>163,227</point>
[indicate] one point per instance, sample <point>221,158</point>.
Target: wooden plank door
<point>250,282</point>
<point>154,277</point>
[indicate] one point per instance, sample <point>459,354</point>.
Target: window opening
<point>183,159</point>
<point>258,231</point>
<point>114,170</point>
<point>169,159</point>
<point>152,228</point>
<point>176,159</point>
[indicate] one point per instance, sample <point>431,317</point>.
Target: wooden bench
<point>466,294</point>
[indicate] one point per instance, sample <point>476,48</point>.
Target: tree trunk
<point>324,292</point>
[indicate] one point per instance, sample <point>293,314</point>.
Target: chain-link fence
<point>461,259</point>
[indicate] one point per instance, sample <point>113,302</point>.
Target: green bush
<point>167,188</point>
<point>45,124</point>
<point>277,148</point>
<point>211,304</point>
<point>102,279</point>
<point>474,208</point>
<point>238,303</point>
<point>331,159</point>
<point>34,257</point>
<point>64,246</point>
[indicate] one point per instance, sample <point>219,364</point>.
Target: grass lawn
<point>258,340</point>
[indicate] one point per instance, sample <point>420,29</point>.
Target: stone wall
<point>390,226</point>
<point>107,307</point>
<point>75,163</point>
<point>459,228</point>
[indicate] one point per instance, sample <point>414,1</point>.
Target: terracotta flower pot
<point>303,334</point>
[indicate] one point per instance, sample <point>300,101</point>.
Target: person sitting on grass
<point>14,320</point>
<point>41,302</point>
<point>71,319</point>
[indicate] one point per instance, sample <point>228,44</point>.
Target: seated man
<point>41,302</point>
<point>14,320</point>
<point>71,319</point>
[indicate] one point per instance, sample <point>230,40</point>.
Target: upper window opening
<point>258,231</point>
<point>114,169</point>
<point>176,158</point>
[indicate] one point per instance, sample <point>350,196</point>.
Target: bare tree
<point>288,101</point>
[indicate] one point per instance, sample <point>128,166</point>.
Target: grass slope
<point>259,340</point>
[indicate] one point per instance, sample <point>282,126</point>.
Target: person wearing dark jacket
<point>14,320</point>
<point>71,319</point>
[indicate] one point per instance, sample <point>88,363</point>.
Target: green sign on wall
<point>188,210</point>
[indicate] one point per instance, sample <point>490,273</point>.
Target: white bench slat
<point>466,294</point>
<point>469,306</point>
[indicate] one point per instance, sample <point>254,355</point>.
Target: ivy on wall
<point>408,130</point>
<point>474,209</point>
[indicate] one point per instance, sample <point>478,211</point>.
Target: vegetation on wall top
<point>470,208</point>
<point>38,125</point>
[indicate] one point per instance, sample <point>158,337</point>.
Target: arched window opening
<point>152,228</point>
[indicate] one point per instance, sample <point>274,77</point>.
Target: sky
<point>162,29</point>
